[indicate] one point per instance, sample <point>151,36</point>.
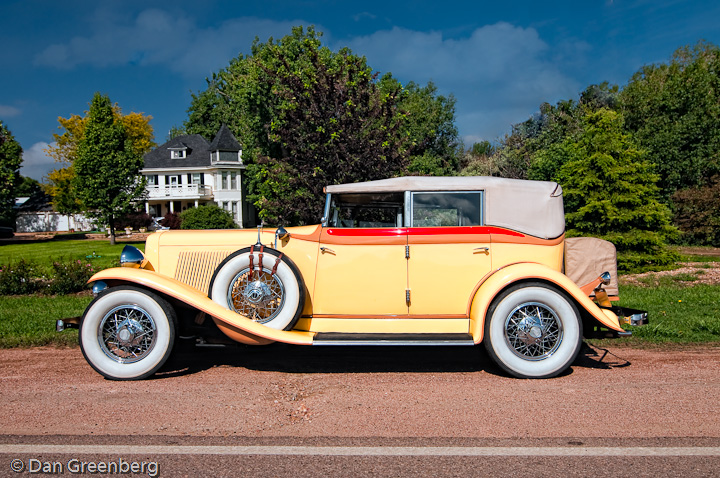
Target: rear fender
<point>495,282</point>
<point>227,320</point>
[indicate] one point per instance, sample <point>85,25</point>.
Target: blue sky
<point>500,60</point>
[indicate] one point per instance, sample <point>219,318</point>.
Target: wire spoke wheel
<point>262,286</point>
<point>258,296</point>
<point>533,331</point>
<point>127,334</point>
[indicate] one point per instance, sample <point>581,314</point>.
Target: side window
<point>365,210</point>
<point>436,209</point>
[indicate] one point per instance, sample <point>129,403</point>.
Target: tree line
<point>638,164</point>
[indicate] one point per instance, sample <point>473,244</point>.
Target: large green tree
<point>428,121</point>
<point>308,116</point>
<point>107,166</point>
<point>610,192</point>
<point>10,161</point>
<point>64,149</point>
<point>673,110</point>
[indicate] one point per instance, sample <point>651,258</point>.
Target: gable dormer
<point>225,148</point>
<point>180,151</point>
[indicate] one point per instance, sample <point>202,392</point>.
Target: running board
<point>335,338</point>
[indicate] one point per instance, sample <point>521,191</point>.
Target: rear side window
<point>442,209</point>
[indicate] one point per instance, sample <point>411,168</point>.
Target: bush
<point>135,220</point>
<point>207,217</point>
<point>69,277</point>
<point>18,278</point>
<point>171,220</point>
<point>697,214</point>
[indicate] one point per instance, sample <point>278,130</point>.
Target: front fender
<point>173,288</point>
<point>495,282</point>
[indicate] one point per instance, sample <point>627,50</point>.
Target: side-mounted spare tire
<point>261,284</point>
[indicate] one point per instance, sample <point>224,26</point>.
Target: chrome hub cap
<point>127,334</point>
<point>259,297</point>
<point>258,292</point>
<point>533,331</point>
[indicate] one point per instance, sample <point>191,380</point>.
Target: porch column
<point>147,207</point>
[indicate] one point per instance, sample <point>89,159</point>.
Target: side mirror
<point>282,234</point>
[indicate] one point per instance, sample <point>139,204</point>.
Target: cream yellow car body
<point>410,261</point>
<point>179,267</point>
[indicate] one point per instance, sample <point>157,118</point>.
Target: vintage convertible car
<point>403,261</point>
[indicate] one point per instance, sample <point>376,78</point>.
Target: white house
<point>187,171</point>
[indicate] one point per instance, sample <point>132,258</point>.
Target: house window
<point>172,181</point>
<point>233,180</point>
<point>152,180</point>
<point>195,178</point>
<point>177,153</point>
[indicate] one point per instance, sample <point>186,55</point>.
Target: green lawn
<point>681,311</point>
<point>678,313</point>
<point>99,253</point>
<point>30,320</point>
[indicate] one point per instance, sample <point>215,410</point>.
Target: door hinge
<point>407,296</point>
<point>407,252</point>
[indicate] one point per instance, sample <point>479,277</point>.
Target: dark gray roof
<point>225,141</point>
<point>197,150</point>
<point>197,153</point>
<point>37,202</point>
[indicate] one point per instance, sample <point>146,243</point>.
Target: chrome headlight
<point>131,257</point>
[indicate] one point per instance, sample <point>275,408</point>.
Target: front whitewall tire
<point>533,331</point>
<point>127,333</point>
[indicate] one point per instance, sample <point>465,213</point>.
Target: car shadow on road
<point>188,360</point>
<point>593,356</point>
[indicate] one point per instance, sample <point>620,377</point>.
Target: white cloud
<point>36,164</point>
<point>157,37</point>
<point>7,111</point>
<point>500,74</point>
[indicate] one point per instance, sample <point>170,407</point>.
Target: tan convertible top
<point>531,207</point>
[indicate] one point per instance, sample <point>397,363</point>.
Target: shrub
<point>70,276</point>
<point>207,217</point>
<point>135,220</point>
<point>171,220</point>
<point>18,278</point>
<point>697,214</point>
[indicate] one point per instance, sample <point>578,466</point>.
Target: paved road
<point>294,411</point>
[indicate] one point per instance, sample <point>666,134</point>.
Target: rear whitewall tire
<point>127,333</point>
<point>533,331</point>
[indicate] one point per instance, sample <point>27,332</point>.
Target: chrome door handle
<point>485,250</point>
<point>327,249</point>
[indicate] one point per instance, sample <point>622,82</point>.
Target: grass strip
<point>98,253</point>
<point>27,321</point>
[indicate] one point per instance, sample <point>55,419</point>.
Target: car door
<point>361,272</point>
<point>448,252</point>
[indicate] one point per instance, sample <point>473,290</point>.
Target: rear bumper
<point>629,316</point>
